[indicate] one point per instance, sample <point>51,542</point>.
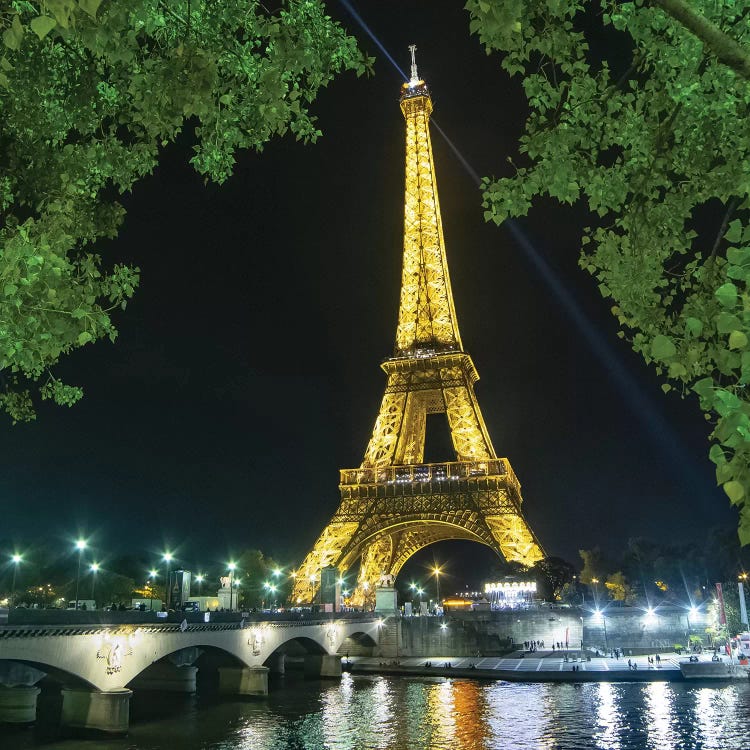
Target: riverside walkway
<point>541,666</point>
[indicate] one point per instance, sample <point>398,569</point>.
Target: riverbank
<point>542,666</point>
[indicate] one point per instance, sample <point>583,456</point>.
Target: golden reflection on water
<point>455,714</point>
<point>442,714</point>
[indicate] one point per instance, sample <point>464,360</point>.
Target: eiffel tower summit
<point>394,504</point>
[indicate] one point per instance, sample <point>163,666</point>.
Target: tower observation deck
<point>394,504</point>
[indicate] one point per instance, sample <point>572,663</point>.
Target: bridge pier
<point>277,663</point>
<point>105,711</point>
<point>243,680</point>
<point>323,666</point>
<point>166,677</point>
<point>18,704</point>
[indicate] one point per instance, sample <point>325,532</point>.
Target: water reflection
<point>659,699</point>
<point>608,722</point>
<point>392,713</point>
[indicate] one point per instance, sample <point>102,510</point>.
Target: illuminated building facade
<point>394,504</point>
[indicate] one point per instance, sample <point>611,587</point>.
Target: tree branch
<point>727,50</point>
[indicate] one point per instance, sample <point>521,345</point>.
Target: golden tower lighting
<point>394,504</point>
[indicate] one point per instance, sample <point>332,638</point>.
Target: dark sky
<point>247,372</point>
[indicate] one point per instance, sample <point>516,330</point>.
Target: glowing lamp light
<point>232,566</point>
<point>200,578</point>
<point>16,559</point>
<point>276,572</point>
<point>443,626</point>
<point>650,615</point>
<point>94,567</point>
<point>693,611</point>
<point>153,573</point>
<point>81,545</point>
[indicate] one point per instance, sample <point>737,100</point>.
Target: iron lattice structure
<point>394,504</point>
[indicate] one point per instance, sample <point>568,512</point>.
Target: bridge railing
<point>22,616</point>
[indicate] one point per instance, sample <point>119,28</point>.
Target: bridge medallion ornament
<point>395,504</point>
<point>112,650</point>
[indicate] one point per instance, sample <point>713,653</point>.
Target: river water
<point>402,713</point>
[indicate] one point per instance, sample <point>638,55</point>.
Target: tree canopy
<point>90,90</point>
<point>639,113</point>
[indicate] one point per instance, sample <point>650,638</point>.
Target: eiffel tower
<point>394,504</point>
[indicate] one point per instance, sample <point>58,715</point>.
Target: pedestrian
<point>630,664</point>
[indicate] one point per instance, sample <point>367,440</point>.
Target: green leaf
<point>694,326</point>
<point>737,340</point>
<point>662,347</point>
<point>734,233</point>
<point>717,455</point>
<point>84,337</point>
<point>13,35</point>
<point>727,294</point>
<point>90,6</point>
<point>42,25</point>
<point>704,388</point>
<point>60,9</point>
<point>735,491</point>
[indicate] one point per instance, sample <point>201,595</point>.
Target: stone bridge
<point>99,665</point>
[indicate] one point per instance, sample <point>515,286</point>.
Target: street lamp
<point>199,580</point>
<point>599,615</point>
<point>595,581</point>
<point>80,546</point>
<point>16,559</point>
<point>152,577</point>
<point>168,557</point>
<point>436,570</point>
<point>232,567</point>
<point>94,568</point>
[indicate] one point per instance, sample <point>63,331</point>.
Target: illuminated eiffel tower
<point>394,504</point>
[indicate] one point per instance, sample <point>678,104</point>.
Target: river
<point>402,713</point>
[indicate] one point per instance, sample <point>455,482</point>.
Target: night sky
<point>247,372</point>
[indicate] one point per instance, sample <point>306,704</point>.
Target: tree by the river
<point>90,90</point>
<point>639,111</point>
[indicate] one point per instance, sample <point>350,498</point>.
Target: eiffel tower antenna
<point>395,504</point>
<point>414,76</point>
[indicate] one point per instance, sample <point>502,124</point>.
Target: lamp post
<point>595,581</point>
<point>199,580</point>
<point>94,568</point>
<point>80,546</point>
<point>16,559</point>
<point>436,571</point>
<point>168,557</point>
<point>232,567</point>
<point>152,577</point>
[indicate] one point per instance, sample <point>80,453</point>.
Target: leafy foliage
<point>553,573</point>
<point>657,148</point>
<point>89,92</point>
